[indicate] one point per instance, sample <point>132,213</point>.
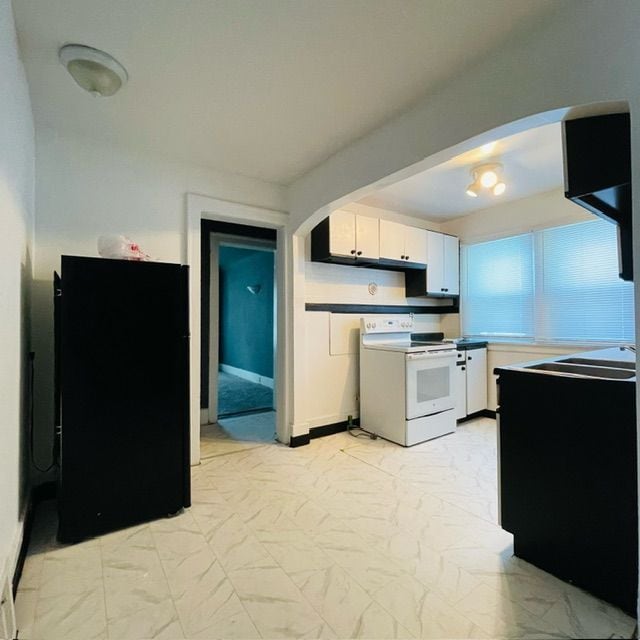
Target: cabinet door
<point>367,237</point>
<point>415,245</point>
<point>342,233</point>
<point>476,380</point>
<point>435,263</point>
<point>391,240</point>
<point>461,389</point>
<point>451,276</point>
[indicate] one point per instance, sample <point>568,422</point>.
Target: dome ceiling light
<point>487,177</point>
<point>95,71</point>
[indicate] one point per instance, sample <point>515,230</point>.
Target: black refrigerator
<point>122,393</point>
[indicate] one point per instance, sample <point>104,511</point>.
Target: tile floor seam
<point>104,590</point>
<point>231,453</point>
<point>37,598</point>
<point>166,577</point>
<point>224,571</point>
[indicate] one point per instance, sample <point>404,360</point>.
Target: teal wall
<point>246,320</point>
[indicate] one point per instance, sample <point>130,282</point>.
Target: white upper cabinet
<point>442,264</point>
<point>342,233</point>
<point>415,245</point>
<point>451,274</point>
<point>402,243</point>
<point>391,240</point>
<point>367,237</point>
<point>435,263</point>
<point>353,236</point>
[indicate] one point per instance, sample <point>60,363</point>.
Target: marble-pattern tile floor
<point>344,538</point>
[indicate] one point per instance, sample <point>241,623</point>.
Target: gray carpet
<point>236,395</point>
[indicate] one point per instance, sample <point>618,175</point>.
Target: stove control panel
<point>386,324</point>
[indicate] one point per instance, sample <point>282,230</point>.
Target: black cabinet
<point>122,393</point>
<point>568,479</point>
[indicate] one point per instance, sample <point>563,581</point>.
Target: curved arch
<point>497,133</point>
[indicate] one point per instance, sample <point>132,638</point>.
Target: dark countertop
<point>468,344</point>
<point>463,344</point>
<point>610,355</point>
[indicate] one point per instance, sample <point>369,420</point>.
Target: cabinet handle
<point>469,358</point>
<point>402,257</point>
<point>353,251</point>
<point>358,253</point>
<point>406,257</point>
<point>464,368</point>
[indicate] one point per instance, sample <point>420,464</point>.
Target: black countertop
<point>468,344</point>
<point>463,344</point>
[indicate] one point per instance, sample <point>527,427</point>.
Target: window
<point>559,284</point>
<point>498,288</point>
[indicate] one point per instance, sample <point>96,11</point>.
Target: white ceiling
<point>532,163</point>
<point>263,88</point>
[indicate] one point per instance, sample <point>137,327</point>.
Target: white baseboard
<point>247,375</point>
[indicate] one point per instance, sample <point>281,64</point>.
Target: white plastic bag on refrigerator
<point>120,247</point>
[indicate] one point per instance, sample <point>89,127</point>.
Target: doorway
<point>239,338</point>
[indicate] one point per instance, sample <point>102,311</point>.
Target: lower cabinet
<point>471,382</point>
<point>461,386</point>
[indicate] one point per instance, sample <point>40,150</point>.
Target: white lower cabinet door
<point>476,380</point>
<point>461,389</point>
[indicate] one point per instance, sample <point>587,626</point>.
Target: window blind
<point>498,279</point>
<point>580,294</point>
<point>558,284</point>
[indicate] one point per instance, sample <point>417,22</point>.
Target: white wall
<point>548,209</point>
<point>16,251</point>
<point>84,191</point>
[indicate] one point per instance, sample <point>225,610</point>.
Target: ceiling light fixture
<point>486,176</point>
<point>95,71</point>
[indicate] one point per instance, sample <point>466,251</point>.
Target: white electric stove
<point>406,386</point>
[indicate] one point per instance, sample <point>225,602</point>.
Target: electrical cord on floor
<point>364,434</point>
<point>32,356</point>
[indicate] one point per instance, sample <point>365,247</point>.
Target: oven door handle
<point>432,355</point>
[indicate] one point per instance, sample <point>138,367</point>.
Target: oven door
<point>430,382</point>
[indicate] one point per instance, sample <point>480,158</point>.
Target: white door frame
<point>206,208</point>
<point>218,240</point>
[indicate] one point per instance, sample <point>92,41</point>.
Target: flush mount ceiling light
<point>95,71</point>
<point>488,177</point>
